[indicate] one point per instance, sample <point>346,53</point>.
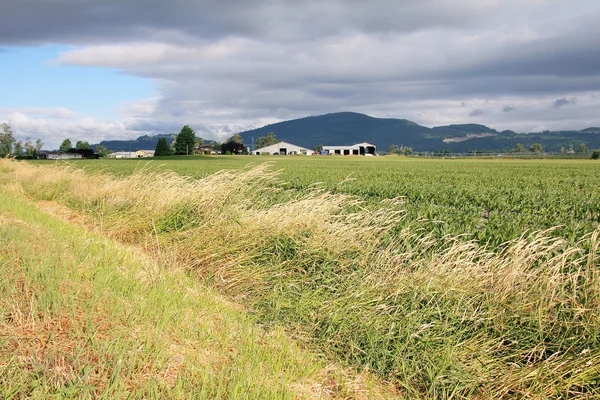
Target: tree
<point>232,147</point>
<point>596,155</point>
<point>6,139</point>
<point>186,140</point>
<point>238,138</point>
<point>101,150</point>
<point>582,148</point>
<point>29,148</point>
<point>18,148</point>
<point>519,148</point>
<point>66,145</point>
<point>162,148</point>
<point>267,140</point>
<point>38,145</point>
<point>217,146</point>
<point>318,148</point>
<point>536,148</point>
<point>81,145</point>
<point>403,150</point>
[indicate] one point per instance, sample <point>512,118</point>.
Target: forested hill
<point>348,128</point>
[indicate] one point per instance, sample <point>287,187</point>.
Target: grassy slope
<point>440,318</point>
<point>82,316</point>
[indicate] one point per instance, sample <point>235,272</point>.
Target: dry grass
<point>85,317</point>
<point>440,318</point>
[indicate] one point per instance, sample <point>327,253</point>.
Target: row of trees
<point>186,143</point>
<point>402,150</point>
<point>10,146</point>
<point>538,148</point>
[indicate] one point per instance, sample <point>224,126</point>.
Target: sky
<point>105,69</point>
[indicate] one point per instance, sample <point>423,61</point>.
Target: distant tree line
<point>538,148</point>
<point>402,150</point>
<point>10,146</point>
<point>186,143</point>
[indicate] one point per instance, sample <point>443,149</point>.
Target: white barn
<point>282,148</point>
<point>361,149</point>
<point>57,155</point>
<point>122,154</point>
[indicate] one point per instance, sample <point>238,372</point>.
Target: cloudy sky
<point>105,69</point>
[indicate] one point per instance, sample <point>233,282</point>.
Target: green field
<point>443,278</point>
<point>487,200</point>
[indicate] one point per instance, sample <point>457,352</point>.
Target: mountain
<point>346,128</point>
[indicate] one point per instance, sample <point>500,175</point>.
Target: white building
<point>282,148</point>
<point>361,149</point>
<point>122,154</point>
<point>57,155</point>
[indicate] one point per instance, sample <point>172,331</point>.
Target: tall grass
<point>440,318</point>
<point>84,317</point>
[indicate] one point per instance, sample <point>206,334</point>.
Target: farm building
<point>282,148</point>
<point>144,153</point>
<point>132,154</point>
<point>58,155</point>
<point>361,149</point>
<point>122,154</point>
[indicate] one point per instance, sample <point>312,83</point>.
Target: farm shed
<point>57,155</point>
<point>123,154</point>
<point>282,148</point>
<point>361,149</point>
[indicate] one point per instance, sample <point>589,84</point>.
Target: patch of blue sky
<point>29,78</point>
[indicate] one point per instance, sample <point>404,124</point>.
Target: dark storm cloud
<point>89,21</point>
<point>223,65</point>
<point>559,103</point>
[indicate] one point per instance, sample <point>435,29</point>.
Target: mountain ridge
<point>346,128</point>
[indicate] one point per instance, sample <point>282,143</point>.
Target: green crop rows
<point>488,200</point>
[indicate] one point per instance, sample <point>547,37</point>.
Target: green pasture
<point>492,200</point>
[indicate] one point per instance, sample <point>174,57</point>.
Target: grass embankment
<point>440,318</point>
<point>84,317</point>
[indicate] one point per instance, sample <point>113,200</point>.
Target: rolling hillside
<point>348,128</point>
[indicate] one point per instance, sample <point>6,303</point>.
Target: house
<point>282,148</point>
<point>207,150</point>
<point>144,153</point>
<point>361,149</point>
<point>122,154</point>
<point>59,155</point>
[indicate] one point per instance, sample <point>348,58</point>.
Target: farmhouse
<point>361,149</point>
<point>282,148</point>
<point>58,155</point>
<point>144,153</point>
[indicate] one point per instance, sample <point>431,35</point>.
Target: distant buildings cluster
<point>286,148</point>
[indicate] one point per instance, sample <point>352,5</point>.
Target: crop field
<point>393,277</point>
<point>487,200</point>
